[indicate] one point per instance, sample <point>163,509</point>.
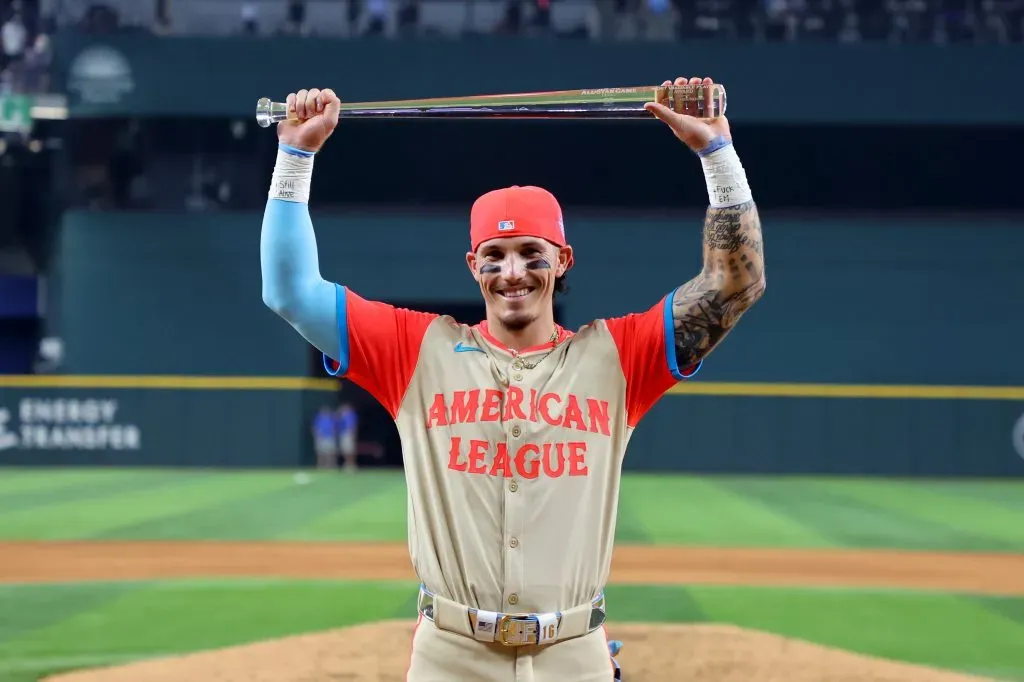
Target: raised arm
<point>292,285</point>
<point>707,307</point>
<point>371,343</point>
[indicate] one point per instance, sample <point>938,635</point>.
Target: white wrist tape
<point>725,178</point>
<point>293,175</point>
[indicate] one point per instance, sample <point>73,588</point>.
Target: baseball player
<point>514,429</point>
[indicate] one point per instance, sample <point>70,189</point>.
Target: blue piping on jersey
<point>670,343</point>
<point>343,353</point>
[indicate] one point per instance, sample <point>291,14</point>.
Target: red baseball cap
<point>517,211</point>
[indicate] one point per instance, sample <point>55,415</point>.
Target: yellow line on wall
<point>772,390</point>
<point>917,392</point>
<point>171,381</point>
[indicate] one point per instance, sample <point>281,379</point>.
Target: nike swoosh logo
<point>463,348</point>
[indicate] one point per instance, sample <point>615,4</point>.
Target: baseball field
<point>143,575</point>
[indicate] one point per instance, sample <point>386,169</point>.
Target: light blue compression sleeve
<point>292,285</point>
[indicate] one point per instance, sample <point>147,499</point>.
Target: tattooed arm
<point>707,307</point>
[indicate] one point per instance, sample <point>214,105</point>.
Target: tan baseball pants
<point>441,656</point>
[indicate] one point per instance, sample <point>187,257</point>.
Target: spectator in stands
<point>295,24</point>
<point>542,15</point>
<point>250,18</point>
<point>355,10</point>
<point>13,38</point>
<point>377,17</point>
<point>849,30</point>
<point>34,74</point>
<point>162,24</point>
<point>512,22</point>
<point>407,18</point>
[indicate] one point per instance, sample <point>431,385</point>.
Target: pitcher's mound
<point>379,652</point>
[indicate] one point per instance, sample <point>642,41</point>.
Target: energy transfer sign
<point>66,424</point>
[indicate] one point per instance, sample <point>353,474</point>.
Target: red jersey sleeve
<point>647,354</point>
<point>380,346</point>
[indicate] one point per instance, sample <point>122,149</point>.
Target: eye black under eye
<point>538,264</point>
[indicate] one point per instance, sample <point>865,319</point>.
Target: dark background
<point>884,166</point>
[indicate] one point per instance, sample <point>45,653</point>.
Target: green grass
<point>44,628</point>
<point>988,521</point>
<point>673,510</point>
<point>943,630</point>
<point>49,628</point>
<point>885,514</point>
<point>654,509</point>
<point>67,626</point>
<point>950,631</point>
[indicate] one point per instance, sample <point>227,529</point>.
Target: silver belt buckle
<point>515,630</point>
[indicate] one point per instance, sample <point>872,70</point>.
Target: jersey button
<point>516,431</point>
<point>518,376</point>
<point>513,599</point>
<point>517,364</point>
<point>513,486</point>
<point>513,543</point>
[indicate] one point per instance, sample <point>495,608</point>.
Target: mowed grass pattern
<point>46,628</point>
<point>60,626</point>
<point>148,504</point>
<point>49,628</point>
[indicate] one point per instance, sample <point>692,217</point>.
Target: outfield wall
<point>881,347</point>
<point>884,301</point>
<point>704,427</point>
<point>90,421</point>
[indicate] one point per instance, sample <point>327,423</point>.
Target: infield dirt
<point>1001,574</point>
<point>379,652</point>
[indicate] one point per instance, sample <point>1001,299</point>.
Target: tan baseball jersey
<point>512,460</point>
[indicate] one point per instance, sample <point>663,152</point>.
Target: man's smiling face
<point>517,277</point>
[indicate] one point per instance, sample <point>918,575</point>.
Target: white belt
<point>516,629</point>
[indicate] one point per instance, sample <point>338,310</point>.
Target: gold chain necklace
<point>552,339</point>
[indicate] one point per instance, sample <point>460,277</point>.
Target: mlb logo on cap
<point>516,212</point>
